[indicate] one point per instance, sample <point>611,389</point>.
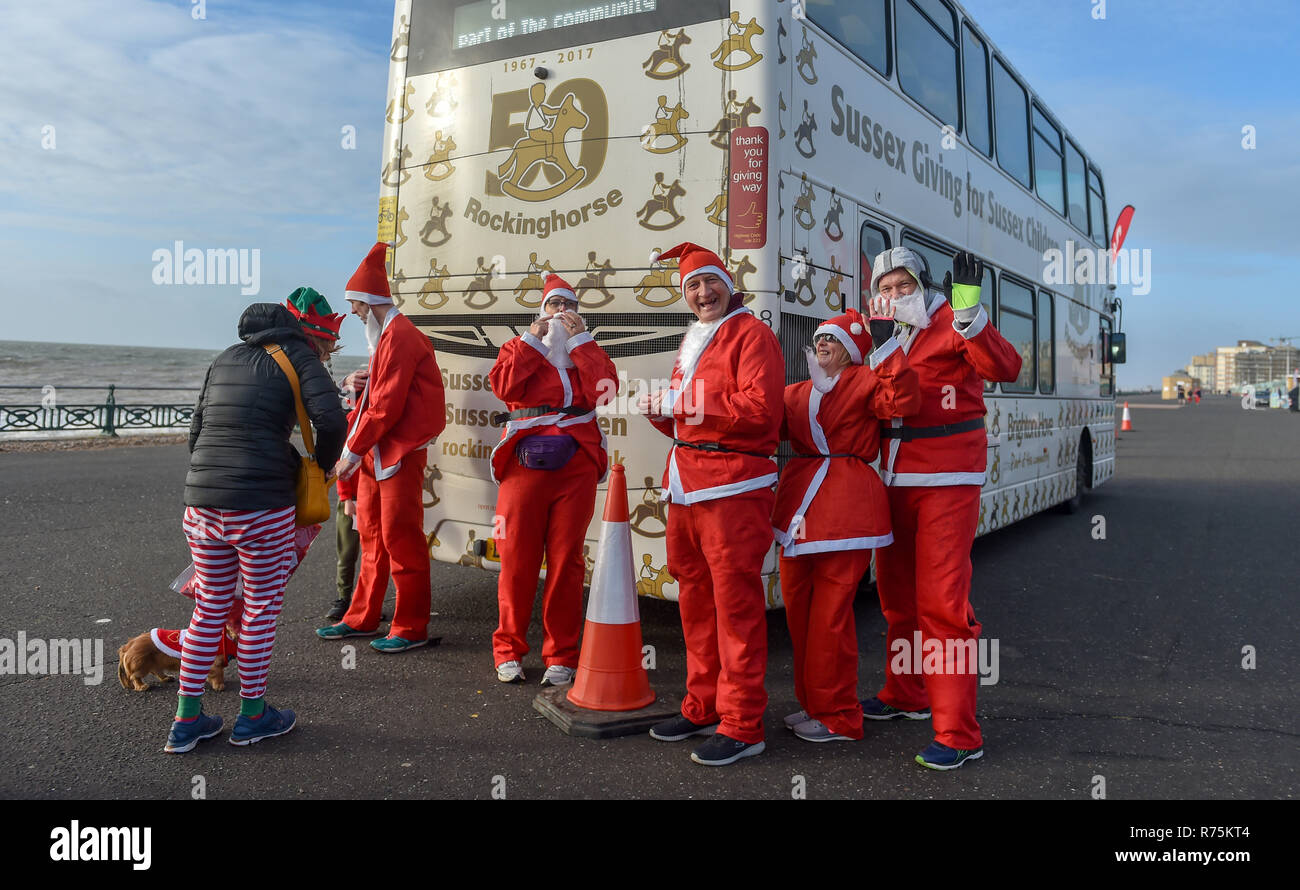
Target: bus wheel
<point>1082,475</point>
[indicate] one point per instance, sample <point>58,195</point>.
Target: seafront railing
<point>51,415</point>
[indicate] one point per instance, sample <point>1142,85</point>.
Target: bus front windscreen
<point>456,33</point>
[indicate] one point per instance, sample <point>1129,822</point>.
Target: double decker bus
<point>797,140</point>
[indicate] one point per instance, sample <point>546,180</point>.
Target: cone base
<point>584,723</point>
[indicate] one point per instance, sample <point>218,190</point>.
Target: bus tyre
<point>1082,475</point>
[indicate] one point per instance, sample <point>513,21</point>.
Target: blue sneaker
<point>938,756</point>
<point>183,736</point>
<point>341,630</point>
<point>390,645</point>
<point>271,724</point>
<point>874,709</point>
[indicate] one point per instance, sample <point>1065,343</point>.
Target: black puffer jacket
<point>240,456</point>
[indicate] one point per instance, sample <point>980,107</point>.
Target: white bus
<point>797,140</point>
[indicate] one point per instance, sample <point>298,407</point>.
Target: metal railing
<point>106,418</point>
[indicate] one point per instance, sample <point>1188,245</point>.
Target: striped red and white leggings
<point>256,545</point>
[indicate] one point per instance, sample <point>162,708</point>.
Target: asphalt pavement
<point>1125,659</point>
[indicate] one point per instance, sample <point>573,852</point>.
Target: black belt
<point>820,456</point>
<point>714,446</point>
<point>908,433</point>
<point>501,417</point>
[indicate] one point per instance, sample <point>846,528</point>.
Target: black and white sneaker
<point>723,749</point>
<point>679,728</point>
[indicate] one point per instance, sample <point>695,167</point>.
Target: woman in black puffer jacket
<point>240,497</point>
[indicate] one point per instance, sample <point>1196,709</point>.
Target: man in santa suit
<point>723,412</point>
<point>933,466</point>
<point>550,458</point>
<point>832,510</point>
<point>401,410</point>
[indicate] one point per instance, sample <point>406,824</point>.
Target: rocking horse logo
<point>739,39</point>
<point>543,148</point>
<point>803,134</point>
<point>834,299</point>
<point>442,102</point>
<point>651,509</point>
<point>395,172</point>
<point>666,124</point>
<point>668,53</point>
<point>716,212</point>
<point>439,167</point>
<point>663,199</point>
<point>534,280</point>
<point>431,290</point>
<point>405,109</point>
<point>803,212</point>
<point>659,276</point>
<point>439,213</point>
<point>804,60</point>
<point>834,230</point>
<point>597,272</point>
<point>735,116</point>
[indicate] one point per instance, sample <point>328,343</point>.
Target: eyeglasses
<point>561,303</point>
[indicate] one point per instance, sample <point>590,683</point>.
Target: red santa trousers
<point>924,584</point>
<point>543,511</point>
<point>715,552</point>
<point>390,521</point>
<point>819,589</point>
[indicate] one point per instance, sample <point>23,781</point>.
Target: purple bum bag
<point>546,452</point>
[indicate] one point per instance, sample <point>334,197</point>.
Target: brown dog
<point>157,653</point>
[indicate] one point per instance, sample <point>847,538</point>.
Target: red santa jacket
<point>839,503</point>
<point>732,398</point>
<point>523,377</point>
<point>952,363</point>
<point>403,406</point>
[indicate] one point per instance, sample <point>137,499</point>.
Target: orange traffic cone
<point>610,675</point>
<point>1126,423</point>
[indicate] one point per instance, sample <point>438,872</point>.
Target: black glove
<point>962,285</point>
<point>881,330</point>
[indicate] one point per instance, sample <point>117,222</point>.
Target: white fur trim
<point>714,270</point>
<point>534,341</point>
<point>973,328</point>
<point>804,548</point>
<point>368,299</point>
<point>855,329</point>
<point>884,351</point>
<point>579,339</point>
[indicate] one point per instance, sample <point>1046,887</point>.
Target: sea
<point>79,374</point>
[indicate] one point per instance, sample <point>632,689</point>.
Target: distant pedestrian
<point>1182,395</point>
<point>1247,398</point>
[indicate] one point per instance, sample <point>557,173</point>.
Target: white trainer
<point>558,675</point>
<point>510,672</point>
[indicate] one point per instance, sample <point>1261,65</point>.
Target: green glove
<point>962,284</point>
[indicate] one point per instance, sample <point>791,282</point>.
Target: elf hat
<point>555,286</point>
<point>851,330</point>
<point>369,284</point>
<point>314,314</point>
<point>693,260</point>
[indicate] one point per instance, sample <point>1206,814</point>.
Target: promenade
<point>1120,658</point>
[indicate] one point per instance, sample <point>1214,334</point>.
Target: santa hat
<point>314,314</point>
<point>555,286</point>
<point>369,284</point>
<point>851,330</point>
<point>693,260</point>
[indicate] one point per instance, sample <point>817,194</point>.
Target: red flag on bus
<point>1121,231</point>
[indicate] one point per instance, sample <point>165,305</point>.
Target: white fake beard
<point>911,309</point>
<point>555,340</point>
<point>374,327</point>
<point>697,337</point>
<point>821,381</point>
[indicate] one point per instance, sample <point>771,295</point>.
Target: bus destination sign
<point>487,20</point>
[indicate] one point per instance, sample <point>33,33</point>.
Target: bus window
<point>938,259</point>
<point>875,241</point>
<point>1107,369</point>
<point>1016,324</point>
<point>927,56</point>
<point>988,301</point>
<point>1011,114</point>
<point>1046,344</point>
<point>975,71</point>
<point>1076,194</point>
<point>861,27</point>
<point>1097,208</point>
<point>1048,179</point>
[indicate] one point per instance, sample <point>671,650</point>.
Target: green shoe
<point>340,630</point>
<point>389,645</point>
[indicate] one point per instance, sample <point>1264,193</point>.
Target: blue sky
<point>227,132</point>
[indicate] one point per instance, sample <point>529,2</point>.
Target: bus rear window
<point>456,33</point>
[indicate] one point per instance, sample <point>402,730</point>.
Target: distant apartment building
<point>1250,362</point>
